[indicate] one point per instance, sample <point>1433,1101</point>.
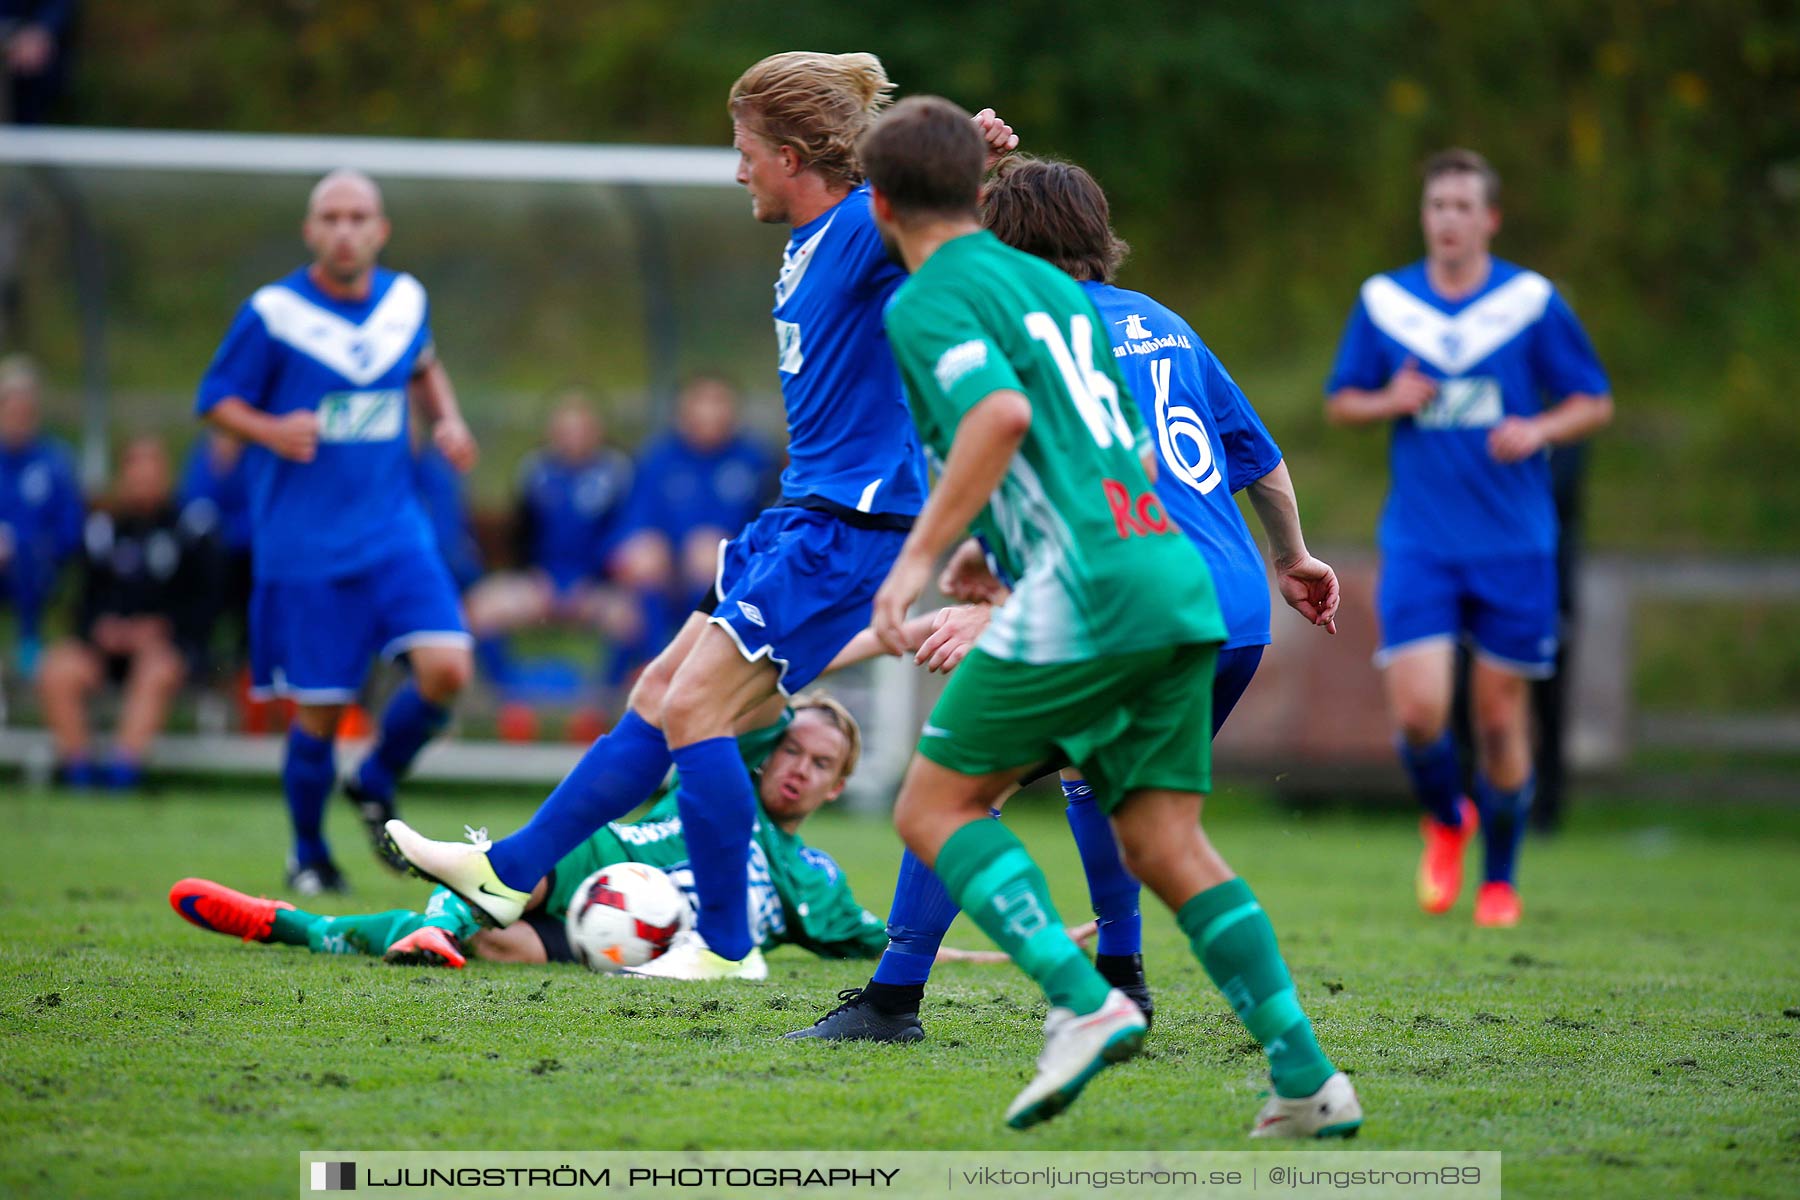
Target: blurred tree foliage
<point>1261,158</point>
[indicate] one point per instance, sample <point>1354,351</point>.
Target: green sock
<point>292,926</point>
<point>362,933</point>
<point>994,880</point>
<point>1231,936</point>
<point>452,914</point>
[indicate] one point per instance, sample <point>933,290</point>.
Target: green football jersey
<point>1098,567</point>
<point>798,894</point>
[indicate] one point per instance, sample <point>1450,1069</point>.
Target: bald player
<point>316,375</point>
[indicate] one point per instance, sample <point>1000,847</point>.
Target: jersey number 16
<point>1095,395</point>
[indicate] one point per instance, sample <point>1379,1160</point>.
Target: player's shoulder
<point>1511,278</point>
<point>846,229</point>
<point>1125,308</point>
<point>278,296</point>
<point>54,454</point>
<point>390,285</point>
<point>819,861</point>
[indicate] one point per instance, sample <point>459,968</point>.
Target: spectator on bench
<point>215,509</point>
<point>698,483</point>
<point>571,500</point>
<point>40,506</point>
<point>142,611</point>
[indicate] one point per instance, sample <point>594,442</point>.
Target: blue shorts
<point>1232,674</point>
<point>796,585</point>
<point>1505,607</point>
<point>313,641</point>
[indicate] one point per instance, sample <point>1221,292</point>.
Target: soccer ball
<point>624,916</point>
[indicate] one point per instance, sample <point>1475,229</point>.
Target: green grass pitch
<point>1638,1035</point>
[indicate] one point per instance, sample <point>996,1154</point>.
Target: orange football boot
<point>1497,906</point>
<point>1441,865</point>
<point>427,946</point>
<point>218,908</point>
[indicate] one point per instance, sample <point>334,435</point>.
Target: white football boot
<point>1332,1111</point>
<point>689,957</point>
<point>1077,1048</point>
<point>464,869</point>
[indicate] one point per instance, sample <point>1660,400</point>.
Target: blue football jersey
<point>41,512</point>
<point>572,513</point>
<point>1495,353</point>
<point>680,488</point>
<point>1210,444</point>
<point>850,436</point>
<point>214,497</point>
<point>294,348</point>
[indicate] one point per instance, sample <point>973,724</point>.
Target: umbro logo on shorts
<point>751,613</point>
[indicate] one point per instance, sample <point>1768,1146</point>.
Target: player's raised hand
<point>953,634</point>
<point>904,584</point>
<point>967,577</point>
<point>1515,439</point>
<point>1410,389</point>
<point>1310,587</point>
<point>295,436</point>
<point>453,438</point>
<point>999,136</point>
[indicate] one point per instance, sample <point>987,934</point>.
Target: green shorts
<point>1129,721</point>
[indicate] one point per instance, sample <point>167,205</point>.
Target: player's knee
<point>163,669</point>
<point>446,676</point>
<point>913,821</point>
<point>66,668</point>
<point>650,691</point>
<point>690,713</point>
<point>1421,721</point>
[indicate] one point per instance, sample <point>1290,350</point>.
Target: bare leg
<point>71,670</point>
<point>157,672</point>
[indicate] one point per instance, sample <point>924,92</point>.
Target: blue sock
<point>1436,778</point>
<point>617,774</point>
<point>307,778</point>
<point>1503,824</point>
<point>920,917</point>
<point>122,774</point>
<point>409,722</point>
<point>1110,886</point>
<point>718,813</point>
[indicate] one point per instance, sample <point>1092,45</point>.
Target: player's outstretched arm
<point>1081,935</point>
<point>293,436</point>
<point>999,136</point>
<point>1309,585</point>
<point>986,440</point>
<point>430,387</point>
<point>866,645</point>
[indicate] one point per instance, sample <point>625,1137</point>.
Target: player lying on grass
<point>1104,652</point>
<point>1210,445</point>
<point>797,894</point>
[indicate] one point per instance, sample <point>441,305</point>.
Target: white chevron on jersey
<point>794,264</point>
<point>1455,344</point>
<point>360,353</point>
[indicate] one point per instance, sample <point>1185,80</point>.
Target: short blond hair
<point>840,718</point>
<point>815,104</point>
